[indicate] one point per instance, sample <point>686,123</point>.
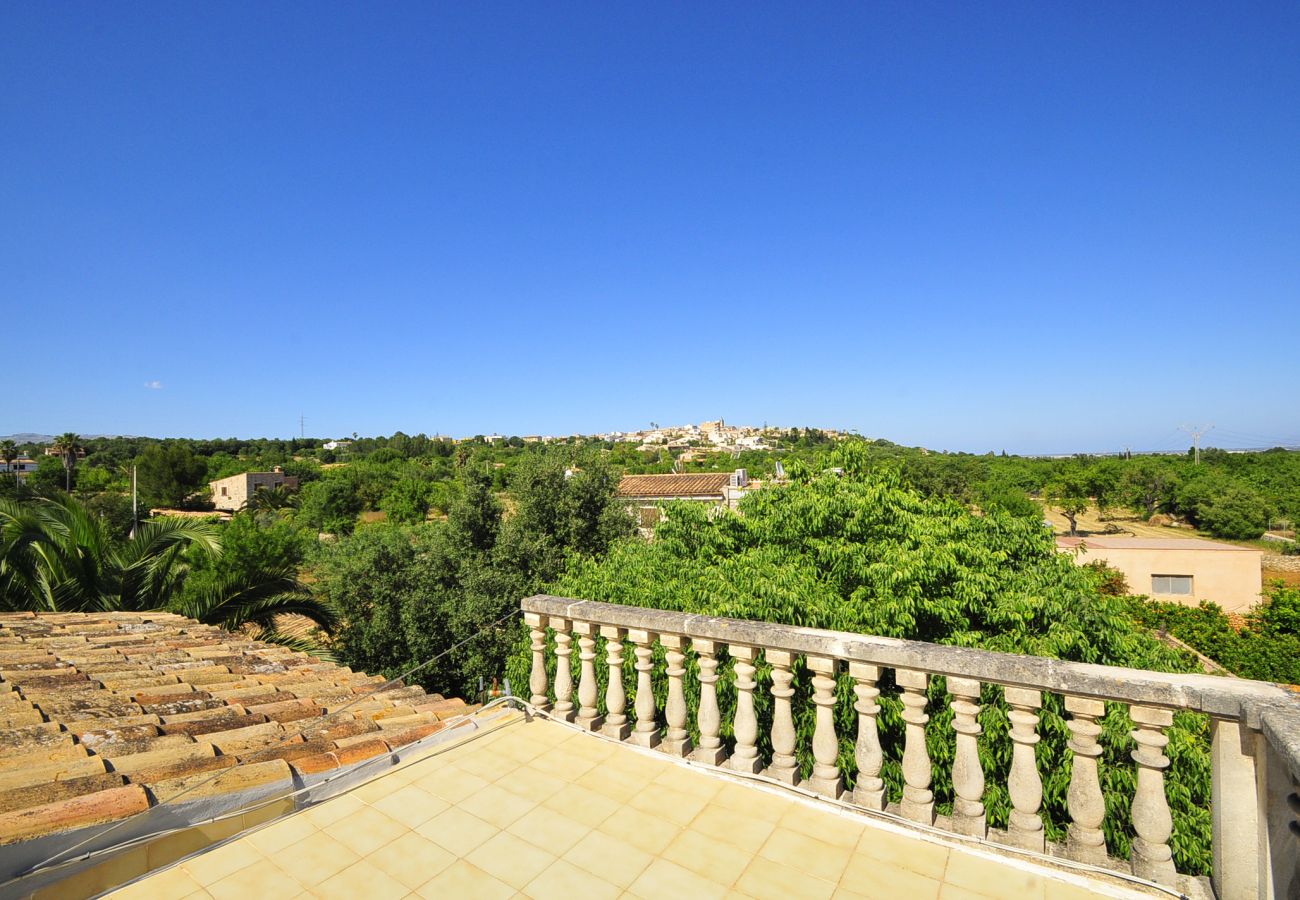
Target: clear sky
<point>1038,227</point>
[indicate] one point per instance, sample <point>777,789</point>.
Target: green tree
<point>1068,492</point>
<point>68,447</point>
<point>9,453</point>
<point>1237,514</point>
<point>331,504</point>
<point>1146,486</point>
<point>407,502</point>
<point>168,473</point>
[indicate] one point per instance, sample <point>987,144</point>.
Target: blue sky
<point>1039,227</point>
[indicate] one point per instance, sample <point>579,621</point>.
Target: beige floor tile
<point>496,806</point>
<point>823,825</point>
<point>987,876</point>
<point>753,803</point>
<point>676,806</point>
<point>411,806</point>
<point>903,850</point>
<point>175,882</point>
<point>613,784</point>
<point>211,867</point>
<point>817,858</point>
<point>377,788</point>
<point>768,880</point>
<point>564,766</point>
<point>365,830</point>
<point>510,859</point>
<point>412,859</point>
<point>953,892</point>
<point>667,879</point>
<point>707,856</point>
<point>457,831</point>
<point>274,838</point>
<point>1061,890</point>
<point>640,766</point>
<point>640,829</point>
<point>609,858</point>
<point>315,858</point>
<point>532,784</point>
<point>549,830</point>
<point>869,877</point>
<point>451,783</point>
<point>688,780</point>
<point>582,804</point>
<point>363,879</point>
<point>461,879</point>
<point>565,881</point>
<point>519,747</point>
<point>487,764</point>
<point>322,814</point>
<point>733,828</point>
<point>261,880</point>
<point>591,746</point>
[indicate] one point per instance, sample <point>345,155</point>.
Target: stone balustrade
<point>1255,728</point>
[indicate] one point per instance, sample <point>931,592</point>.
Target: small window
<point>223,492</point>
<point>1176,585</point>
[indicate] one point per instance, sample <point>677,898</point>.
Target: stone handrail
<point>1255,729</point>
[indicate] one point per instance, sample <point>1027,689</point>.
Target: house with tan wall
<point>232,493</point>
<point>1184,570</point>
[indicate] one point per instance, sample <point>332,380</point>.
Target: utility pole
<point>302,426</point>
<point>135,513</point>
<point>1196,431</point>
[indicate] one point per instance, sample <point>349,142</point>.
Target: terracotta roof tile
<point>706,484</point>
<point>105,714</point>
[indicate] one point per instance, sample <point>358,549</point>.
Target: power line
<point>1196,431</point>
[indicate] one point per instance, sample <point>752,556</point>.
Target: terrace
<point>592,794</point>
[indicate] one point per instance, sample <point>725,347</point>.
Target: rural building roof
<point>104,715</point>
<point>706,484</point>
<point>1128,543</point>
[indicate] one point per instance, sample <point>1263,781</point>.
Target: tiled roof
<point>708,484</point>
<point>103,715</point>
<point>1101,542</point>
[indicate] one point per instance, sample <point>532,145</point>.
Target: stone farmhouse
<point>232,493</point>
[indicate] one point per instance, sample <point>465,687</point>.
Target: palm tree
<point>256,601</point>
<point>276,501</point>
<point>68,445</point>
<point>55,556</point>
<point>9,453</point>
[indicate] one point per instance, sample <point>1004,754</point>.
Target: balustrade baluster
<point>967,773</point>
<point>616,725</point>
<point>869,790</point>
<point>709,718</point>
<point>1025,828</point>
<point>678,740</point>
<point>745,758</point>
<point>826,746</point>
<point>1087,805</point>
<point>589,716</point>
<point>563,679</point>
<point>918,800</point>
<point>785,765</point>
<point>1151,857</point>
<point>646,733</point>
<point>537,677</point>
